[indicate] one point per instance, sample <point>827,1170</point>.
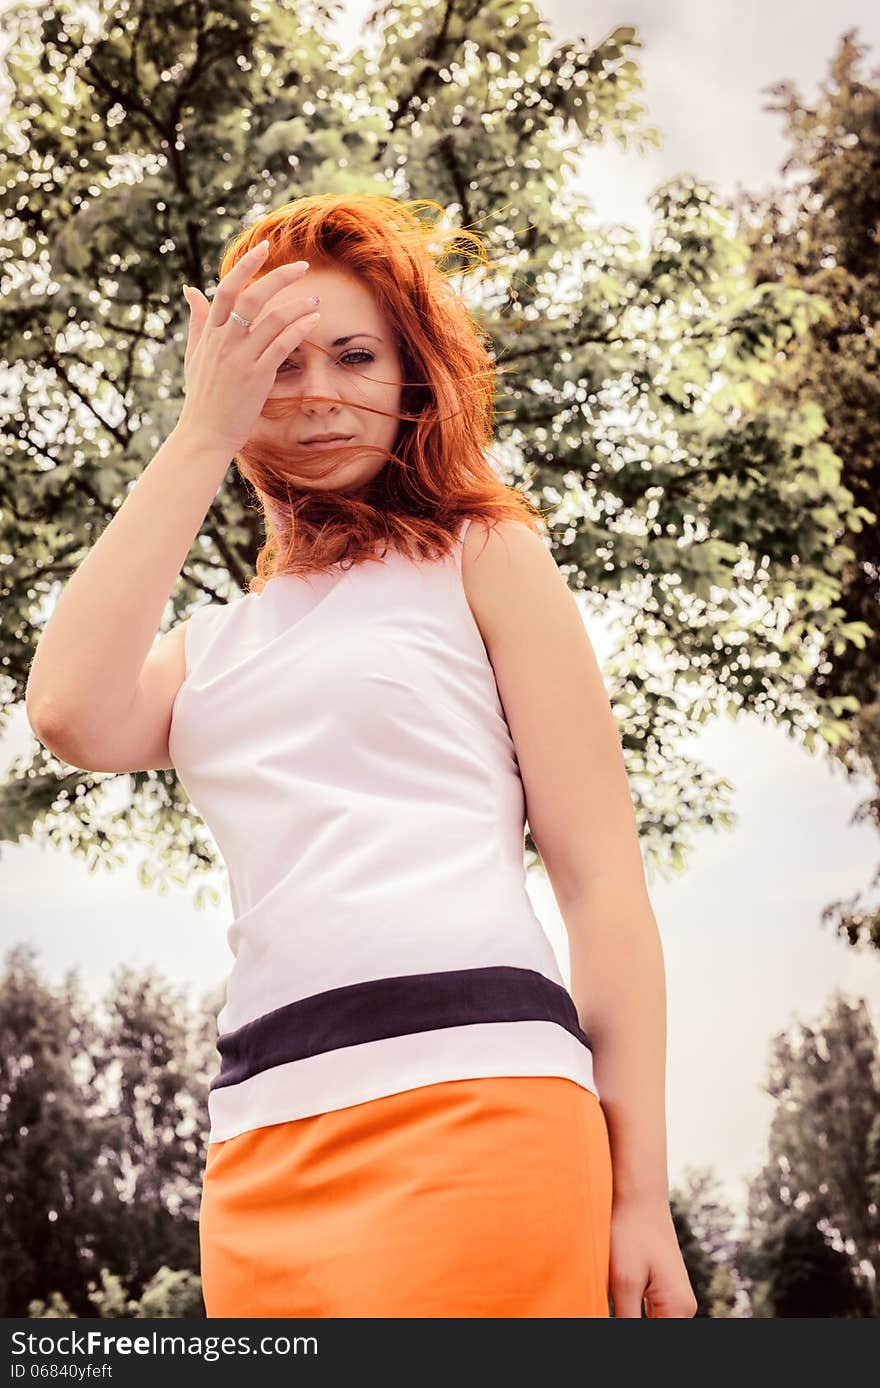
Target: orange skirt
<point>477,1197</point>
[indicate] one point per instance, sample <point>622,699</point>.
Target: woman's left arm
<point>581,818</point>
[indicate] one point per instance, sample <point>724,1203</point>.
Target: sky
<point>745,953</point>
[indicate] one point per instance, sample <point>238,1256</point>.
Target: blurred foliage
<point>705,1223</point>
<point>821,234</point>
<point>102,1138</point>
<point>822,1171</point>
<point>707,522</point>
<point>802,1275</point>
<point>167,1294</point>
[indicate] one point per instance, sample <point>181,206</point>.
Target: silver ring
<point>245,322</point>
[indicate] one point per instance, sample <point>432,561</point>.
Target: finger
<point>627,1303</point>
<point>279,342</point>
<point>260,294</point>
<point>671,1308</point>
<point>199,308</point>
<point>234,282</point>
<point>263,290</point>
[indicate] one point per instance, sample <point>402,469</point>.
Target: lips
<point>328,438</point>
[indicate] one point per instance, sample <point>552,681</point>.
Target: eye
<point>360,352</point>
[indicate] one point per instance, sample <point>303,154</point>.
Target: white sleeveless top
<point>343,739</point>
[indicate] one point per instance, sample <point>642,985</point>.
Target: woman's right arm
<point>85,698</point>
<point>98,695</point>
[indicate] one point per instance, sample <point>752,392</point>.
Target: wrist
<point>640,1196</point>
<point>201,440</point>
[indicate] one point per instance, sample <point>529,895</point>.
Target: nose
<point>313,374</point>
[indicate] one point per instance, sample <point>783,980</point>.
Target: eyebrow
<point>341,341</point>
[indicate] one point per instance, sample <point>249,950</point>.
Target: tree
<point>820,234</point>
<point>803,1276</point>
<point>823,1163</point>
<point>167,1294</point>
<point>48,1148</point>
<point>710,1222</point>
<point>629,409</point>
<point>151,1066</point>
<point>103,1118</point>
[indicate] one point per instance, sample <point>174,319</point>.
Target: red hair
<point>439,470</point>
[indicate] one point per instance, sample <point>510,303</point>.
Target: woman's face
<point>363,371</point>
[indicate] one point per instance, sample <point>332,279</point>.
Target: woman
<point>413,1116</point>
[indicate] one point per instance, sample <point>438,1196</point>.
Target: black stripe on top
<point>385,1007</point>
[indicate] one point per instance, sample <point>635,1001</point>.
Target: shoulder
<point>209,621</point>
<point>509,576</point>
